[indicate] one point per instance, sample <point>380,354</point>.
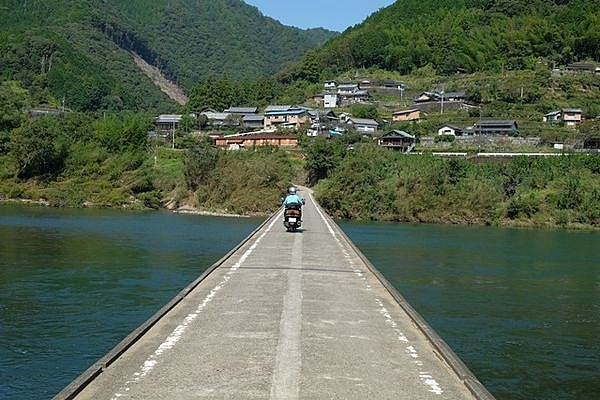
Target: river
<point>520,307</point>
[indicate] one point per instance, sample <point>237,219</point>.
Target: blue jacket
<point>292,198</point>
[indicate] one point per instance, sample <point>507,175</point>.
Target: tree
<point>38,148</point>
<point>14,101</point>
<point>200,160</point>
<point>217,94</point>
<point>364,111</point>
<point>311,71</point>
<point>123,132</point>
<point>321,157</point>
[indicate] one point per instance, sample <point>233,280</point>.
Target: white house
<point>570,116</point>
<point>449,130</point>
<point>330,100</point>
<point>366,126</point>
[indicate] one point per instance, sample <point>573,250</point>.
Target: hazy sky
<point>335,15</point>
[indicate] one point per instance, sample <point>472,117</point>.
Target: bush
<point>38,148</point>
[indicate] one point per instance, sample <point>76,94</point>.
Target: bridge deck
<point>286,316</point>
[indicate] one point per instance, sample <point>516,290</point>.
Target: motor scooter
<point>292,217</point>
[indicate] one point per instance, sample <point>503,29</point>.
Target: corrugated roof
<point>242,110</point>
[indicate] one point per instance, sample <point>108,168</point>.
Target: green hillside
<point>466,36</point>
<point>79,52</point>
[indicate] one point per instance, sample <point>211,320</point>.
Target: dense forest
<point>465,36</point>
<point>78,54</point>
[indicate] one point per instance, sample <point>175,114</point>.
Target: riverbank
<point>368,183</point>
<point>374,184</point>
<point>449,221</point>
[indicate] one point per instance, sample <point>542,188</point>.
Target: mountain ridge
<point>465,36</point>
<point>84,48</point>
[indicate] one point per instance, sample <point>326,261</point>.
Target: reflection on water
<point>520,307</point>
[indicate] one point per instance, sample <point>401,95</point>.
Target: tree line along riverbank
<point>352,179</point>
<point>374,184</point>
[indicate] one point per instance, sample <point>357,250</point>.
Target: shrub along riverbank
<point>371,183</point>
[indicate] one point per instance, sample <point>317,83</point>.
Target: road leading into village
<point>284,316</point>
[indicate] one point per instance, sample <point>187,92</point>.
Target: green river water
<point>520,307</point>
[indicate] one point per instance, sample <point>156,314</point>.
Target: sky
<point>335,15</point>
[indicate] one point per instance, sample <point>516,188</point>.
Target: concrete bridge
<point>299,315</point>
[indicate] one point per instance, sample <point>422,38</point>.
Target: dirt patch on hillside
<point>171,89</point>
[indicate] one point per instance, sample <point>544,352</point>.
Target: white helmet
<point>292,190</point>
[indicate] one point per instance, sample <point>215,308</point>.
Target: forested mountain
<point>80,51</point>
<point>450,36</point>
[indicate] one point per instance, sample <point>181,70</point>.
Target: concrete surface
<point>286,316</point>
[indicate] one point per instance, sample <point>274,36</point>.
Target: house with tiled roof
<point>451,130</point>
<point>216,118</point>
<point>350,93</point>
<point>496,127</point>
<point>322,115</point>
<point>284,116</point>
<point>397,140</point>
<point>366,126</point>
<point>246,141</point>
<point>242,110</point>
<point>167,122</point>
<point>570,116</point>
<point>255,121</point>
<point>412,114</point>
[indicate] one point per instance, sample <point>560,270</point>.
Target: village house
<point>254,121</point>
<point>413,114</point>
<point>330,100</point>
<point>347,88</point>
<point>321,120</point>
<point>44,112</point>
<point>284,117</point>
<point>350,93</point>
<point>216,118</point>
<point>391,84</point>
<point>366,126</point>
<point>247,117</point>
<point>397,140</point>
<point>454,96</point>
<point>242,110</point>
<point>441,96</point>
<point>427,96</point>
<point>344,116</point>
<point>322,115</point>
<point>553,117</point>
<point>330,84</point>
<point>359,96</point>
<point>582,67</point>
<point>570,116</point>
<point>247,141</point>
<point>493,127</point>
<point>167,122</point>
<point>449,130</point>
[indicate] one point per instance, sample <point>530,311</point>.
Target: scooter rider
<point>292,198</point>
<point>292,216</point>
